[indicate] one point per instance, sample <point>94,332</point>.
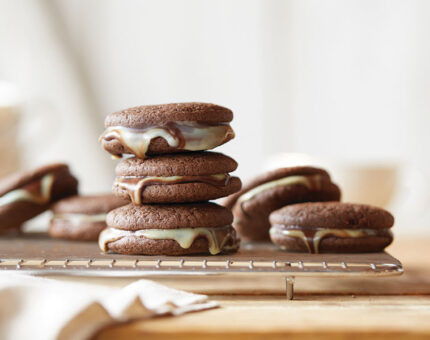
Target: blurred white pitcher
<point>9,121</point>
<point>13,125</point>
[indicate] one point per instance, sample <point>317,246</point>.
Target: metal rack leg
<point>289,281</point>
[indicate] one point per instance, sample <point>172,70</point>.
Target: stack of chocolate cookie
<point>273,190</point>
<point>298,209</point>
<point>26,194</point>
<point>168,176</point>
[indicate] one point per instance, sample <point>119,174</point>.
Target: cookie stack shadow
<point>169,178</point>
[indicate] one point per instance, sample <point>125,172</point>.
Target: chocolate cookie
<point>27,194</point>
<point>174,229</point>
<point>168,128</point>
<point>176,178</point>
<point>82,217</point>
<point>252,205</point>
<point>331,227</point>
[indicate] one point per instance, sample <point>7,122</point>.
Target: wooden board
<point>322,317</point>
<point>414,281</point>
<point>379,308</point>
<point>392,308</point>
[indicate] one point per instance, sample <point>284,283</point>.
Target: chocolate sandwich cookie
<point>27,194</point>
<point>174,229</point>
<point>168,128</point>
<point>331,227</point>
<point>82,217</point>
<point>176,178</point>
<point>253,204</point>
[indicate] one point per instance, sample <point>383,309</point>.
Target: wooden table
<point>387,308</point>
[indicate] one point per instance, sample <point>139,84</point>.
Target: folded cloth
<point>39,308</point>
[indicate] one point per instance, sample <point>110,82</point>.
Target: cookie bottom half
<point>330,240</point>
<point>182,241</point>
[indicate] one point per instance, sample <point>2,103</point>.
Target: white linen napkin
<point>33,307</point>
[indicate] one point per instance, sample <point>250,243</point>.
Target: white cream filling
<point>137,192</point>
<point>184,236</point>
<point>204,138</point>
<point>19,195</point>
<point>321,233</point>
<point>76,219</point>
<point>195,137</point>
<point>167,178</point>
<point>290,180</point>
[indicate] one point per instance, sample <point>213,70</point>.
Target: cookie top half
<point>94,204</point>
<point>182,164</point>
<point>167,128</point>
<point>333,215</point>
<point>142,116</point>
<point>278,174</point>
<point>23,178</point>
<point>171,216</point>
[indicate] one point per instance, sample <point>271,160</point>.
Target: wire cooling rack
<point>39,255</point>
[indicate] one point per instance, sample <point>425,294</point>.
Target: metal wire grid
<point>190,266</point>
<point>251,261</point>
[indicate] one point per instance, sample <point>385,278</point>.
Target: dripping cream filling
<point>76,219</point>
<point>191,136</point>
<point>135,185</point>
<point>218,238</point>
<point>312,237</point>
<point>38,194</point>
<point>311,182</point>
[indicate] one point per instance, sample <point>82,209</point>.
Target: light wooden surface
<point>387,308</point>
<point>272,317</point>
